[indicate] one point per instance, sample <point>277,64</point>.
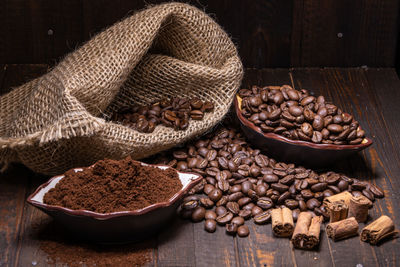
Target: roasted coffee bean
<point>261,190</point>
<point>302,205</point>
<point>313,203</point>
<point>224,218</point>
<point>256,210</point>
<point>208,188</point>
<point>180,155</point>
<point>210,215</point>
<point>328,193</point>
<point>246,214</point>
<point>246,186</point>
<point>233,207</point>
<point>243,201</point>
<point>319,187</point>
<point>287,180</point>
<point>263,217</point>
<point>231,228</point>
<point>319,195</point>
<point>265,203</point>
<point>238,220</point>
<point>185,214</point>
<point>222,202</point>
<point>223,185</point>
<point>215,194</point>
<point>235,188</point>
<point>190,204</point>
<point>306,193</point>
<point>334,189</point>
<point>243,231</point>
<point>283,197</point>
<point>357,185</point>
<point>198,214</point>
<point>356,193</point>
<point>220,210</point>
<point>235,196</point>
<point>291,203</point>
<point>279,187</point>
<point>207,203</point>
<point>378,193</point>
<point>333,179</point>
<point>368,194</point>
<point>270,178</point>
<point>210,225</point>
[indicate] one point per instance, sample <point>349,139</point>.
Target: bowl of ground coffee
<point>295,126</point>
<point>115,200</point>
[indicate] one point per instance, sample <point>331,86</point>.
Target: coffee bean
<point>198,214</point>
<point>357,185</point>
<point>261,190</point>
<point>231,228</point>
<point>207,203</point>
<point>190,205</point>
<point>246,214</point>
<point>233,207</point>
<point>287,180</point>
<point>302,205</point>
<point>265,203</point>
<point>243,231</point>
<point>279,187</point>
<point>215,194</point>
<point>220,210</point>
<point>378,193</point>
<point>263,217</point>
<point>334,189</point>
<point>319,187</point>
<point>210,215</point>
<point>368,194</point>
<point>210,225</point>
<point>312,203</point>
<point>235,196</point>
<point>238,220</point>
<point>356,193</point>
<point>283,197</point>
<point>307,100</point>
<point>328,193</point>
<point>291,203</point>
<point>223,185</point>
<point>248,206</point>
<point>270,178</point>
<point>224,218</point>
<point>306,193</point>
<point>243,201</point>
<point>222,202</point>
<point>208,188</point>
<point>256,210</point>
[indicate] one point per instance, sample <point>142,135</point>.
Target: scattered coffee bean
<point>243,231</point>
<point>198,214</point>
<point>210,225</point>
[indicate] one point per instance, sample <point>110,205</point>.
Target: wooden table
<point>372,95</point>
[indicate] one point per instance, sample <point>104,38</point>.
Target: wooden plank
<point>14,181</point>
<point>342,33</point>
<point>261,248</point>
<point>176,245</point>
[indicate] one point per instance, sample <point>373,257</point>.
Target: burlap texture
<point>55,123</point>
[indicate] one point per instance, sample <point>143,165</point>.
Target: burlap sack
<point>55,122</point>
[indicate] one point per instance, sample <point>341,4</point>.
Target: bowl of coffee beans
<point>295,126</point>
<point>115,200</point>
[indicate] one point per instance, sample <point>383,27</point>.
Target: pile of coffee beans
<point>240,183</point>
<point>174,113</point>
<point>299,116</point>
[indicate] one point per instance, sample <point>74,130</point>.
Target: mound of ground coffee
<point>114,185</point>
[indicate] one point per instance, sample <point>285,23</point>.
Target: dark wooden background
<point>268,33</point>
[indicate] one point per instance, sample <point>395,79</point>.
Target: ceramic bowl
<point>121,226</point>
<point>295,151</point>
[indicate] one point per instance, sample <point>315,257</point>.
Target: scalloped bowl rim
<point>364,144</point>
<point>188,180</point>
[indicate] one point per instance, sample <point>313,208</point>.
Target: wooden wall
<point>268,33</point>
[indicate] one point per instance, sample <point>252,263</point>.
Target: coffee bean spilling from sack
<point>173,113</point>
<point>299,116</point>
<point>240,183</point>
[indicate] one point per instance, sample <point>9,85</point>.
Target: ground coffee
<point>114,185</point>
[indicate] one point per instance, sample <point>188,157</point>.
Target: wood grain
<point>371,95</point>
<point>268,33</point>
<point>344,33</point>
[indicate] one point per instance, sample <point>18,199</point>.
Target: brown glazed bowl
<point>295,151</point>
<point>121,226</point>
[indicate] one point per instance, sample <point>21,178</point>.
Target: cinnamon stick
<point>359,208</point>
<point>377,230</point>
<point>282,222</point>
<point>342,229</point>
<point>338,211</point>
<point>345,196</point>
<point>306,233</point>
